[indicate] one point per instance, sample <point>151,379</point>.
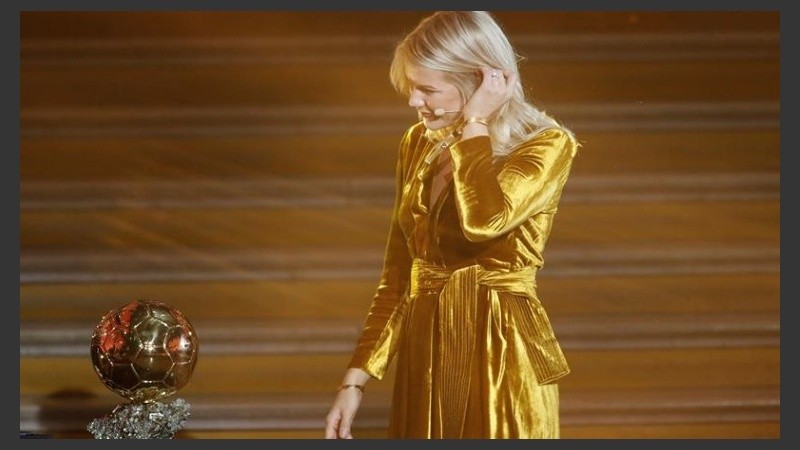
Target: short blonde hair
<point>459,43</point>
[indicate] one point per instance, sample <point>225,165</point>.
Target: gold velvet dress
<point>456,303</point>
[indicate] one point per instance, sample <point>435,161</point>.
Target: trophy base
<point>142,420</point>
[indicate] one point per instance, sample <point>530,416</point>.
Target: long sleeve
<point>377,344</point>
<point>491,200</point>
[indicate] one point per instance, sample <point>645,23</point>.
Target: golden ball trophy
<point>144,351</point>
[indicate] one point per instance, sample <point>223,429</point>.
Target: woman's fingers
<point>339,420</point>
<point>496,88</point>
<point>512,80</point>
<point>344,428</point>
<point>332,426</point>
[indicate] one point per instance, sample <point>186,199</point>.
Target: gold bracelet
<point>348,386</point>
<point>475,119</point>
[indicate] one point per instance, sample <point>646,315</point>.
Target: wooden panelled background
<point>238,165</point>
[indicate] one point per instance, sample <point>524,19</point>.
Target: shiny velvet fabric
<point>456,303</point>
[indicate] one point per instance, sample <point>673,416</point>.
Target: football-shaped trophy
<point>144,351</point>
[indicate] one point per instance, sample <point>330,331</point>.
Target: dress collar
<point>441,134</point>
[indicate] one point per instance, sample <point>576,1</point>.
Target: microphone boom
<point>441,111</point>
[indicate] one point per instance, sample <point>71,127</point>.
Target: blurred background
<point>239,167</point>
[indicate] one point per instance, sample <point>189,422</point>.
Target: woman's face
<point>430,91</point>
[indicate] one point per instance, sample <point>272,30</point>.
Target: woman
<point>479,179</point>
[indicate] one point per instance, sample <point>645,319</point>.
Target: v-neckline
<point>435,196</point>
<point>442,139</point>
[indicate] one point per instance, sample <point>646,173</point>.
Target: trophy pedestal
<point>142,420</point>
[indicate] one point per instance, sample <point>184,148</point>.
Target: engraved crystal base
<point>142,420</point>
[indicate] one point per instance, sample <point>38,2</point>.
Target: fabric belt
<point>459,293</point>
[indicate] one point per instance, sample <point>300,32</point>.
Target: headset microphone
<point>441,111</point>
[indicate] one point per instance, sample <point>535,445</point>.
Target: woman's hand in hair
<point>496,88</point>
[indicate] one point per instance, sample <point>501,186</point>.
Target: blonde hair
<point>458,43</point>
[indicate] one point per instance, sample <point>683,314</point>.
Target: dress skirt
<point>482,389</point>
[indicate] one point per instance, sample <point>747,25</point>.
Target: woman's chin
<point>434,124</point>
